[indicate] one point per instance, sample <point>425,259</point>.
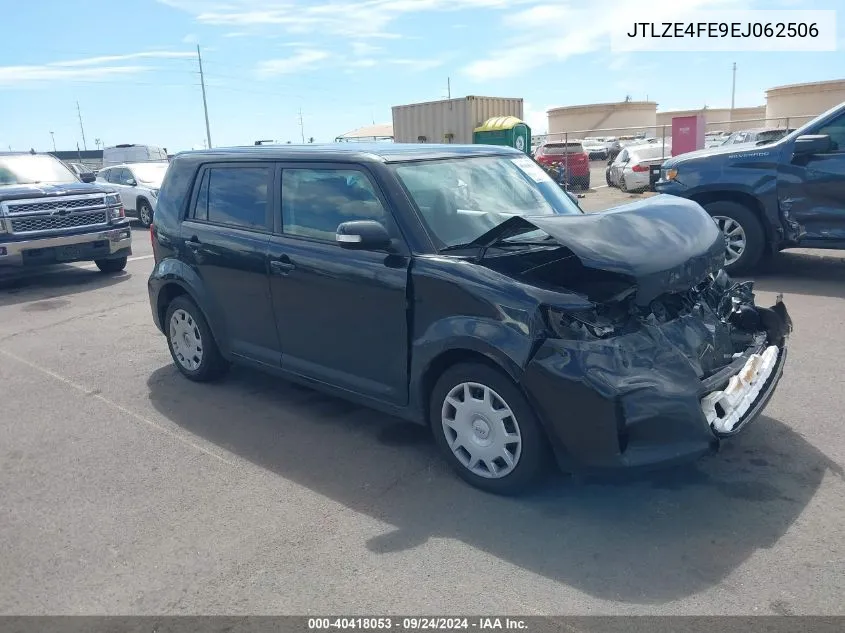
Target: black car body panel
<point>613,329</point>
<point>798,198</point>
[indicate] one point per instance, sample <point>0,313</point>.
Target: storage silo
<point>604,119</point>
<point>794,105</point>
<point>747,118</point>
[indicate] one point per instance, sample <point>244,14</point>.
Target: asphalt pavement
<point>126,489</point>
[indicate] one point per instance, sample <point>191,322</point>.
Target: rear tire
<point>493,419</point>
<point>111,265</point>
<point>191,343</point>
<point>728,215</point>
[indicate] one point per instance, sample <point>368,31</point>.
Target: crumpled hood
<point>19,192</point>
<point>663,243</point>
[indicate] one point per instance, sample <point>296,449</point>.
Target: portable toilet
<point>504,130</point>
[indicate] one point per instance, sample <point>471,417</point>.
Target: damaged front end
<point>732,346</point>
<point>665,356</point>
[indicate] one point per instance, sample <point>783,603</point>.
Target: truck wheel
<point>111,265</point>
<point>486,429</point>
<point>145,213</point>
<point>743,234</point>
<point>191,343</point>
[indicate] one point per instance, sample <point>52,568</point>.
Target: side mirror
<point>812,144</point>
<point>88,176</point>
<point>132,182</point>
<point>363,235</point>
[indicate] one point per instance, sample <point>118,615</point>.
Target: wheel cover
<point>145,214</point>
<point>186,340</point>
<point>481,430</point>
<point>734,236</point>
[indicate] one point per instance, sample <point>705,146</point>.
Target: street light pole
<point>204,102</point>
<point>53,136</point>
<point>733,89</point>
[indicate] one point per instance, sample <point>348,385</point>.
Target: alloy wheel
<point>734,236</point>
<point>481,430</point>
<point>186,340</point>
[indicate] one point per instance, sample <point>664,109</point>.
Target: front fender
<point>507,345</point>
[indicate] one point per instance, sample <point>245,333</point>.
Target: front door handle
<point>281,266</point>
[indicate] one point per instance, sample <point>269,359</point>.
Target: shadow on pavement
<point>52,283</point>
<point>803,274</point>
<point>647,539</point>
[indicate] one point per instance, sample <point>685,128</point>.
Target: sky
<point>285,70</point>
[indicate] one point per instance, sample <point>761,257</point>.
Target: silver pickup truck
<point>48,215</point>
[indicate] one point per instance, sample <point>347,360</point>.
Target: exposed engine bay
<point>731,344</point>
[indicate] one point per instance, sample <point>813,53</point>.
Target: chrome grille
<point>55,222</point>
<point>54,204</point>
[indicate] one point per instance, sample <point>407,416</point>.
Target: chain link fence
<point>658,134</point>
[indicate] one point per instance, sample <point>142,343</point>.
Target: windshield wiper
<point>509,241</point>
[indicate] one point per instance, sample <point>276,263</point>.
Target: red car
<point>571,156</point>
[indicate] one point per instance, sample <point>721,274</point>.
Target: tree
<point>310,139</point>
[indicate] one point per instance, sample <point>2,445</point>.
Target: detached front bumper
<point>111,243</point>
<point>638,400</point>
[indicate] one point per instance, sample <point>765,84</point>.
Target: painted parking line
<point>131,259</point>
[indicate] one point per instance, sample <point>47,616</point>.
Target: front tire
<point>111,265</point>
<point>743,233</point>
<point>486,429</point>
<point>145,213</point>
<point>191,344</point>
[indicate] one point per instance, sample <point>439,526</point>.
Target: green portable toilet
<point>504,130</point>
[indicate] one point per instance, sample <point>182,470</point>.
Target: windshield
<point>34,169</point>
<point>461,199</point>
<point>152,172</point>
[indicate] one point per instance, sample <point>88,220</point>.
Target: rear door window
<point>235,195</point>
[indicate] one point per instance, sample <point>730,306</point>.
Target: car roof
<point>149,162</point>
<point>364,152</point>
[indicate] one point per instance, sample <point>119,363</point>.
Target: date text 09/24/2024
<point>416,623</point>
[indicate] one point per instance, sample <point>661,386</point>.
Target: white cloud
<point>550,33</point>
<point>107,59</point>
<point>363,48</point>
<point>27,74</point>
<point>190,38</point>
<point>302,60</point>
<point>236,34</point>
<point>417,65</point>
<point>537,120</point>
<point>347,18</point>
<point>88,68</point>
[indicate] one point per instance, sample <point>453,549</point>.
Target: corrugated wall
<point>435,120</point>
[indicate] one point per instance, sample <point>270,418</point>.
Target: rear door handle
<point>281,266</point>
<point>194,244</point>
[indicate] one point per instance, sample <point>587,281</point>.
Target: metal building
<point>449,120</point>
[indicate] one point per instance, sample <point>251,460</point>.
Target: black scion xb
<point>459,287</point>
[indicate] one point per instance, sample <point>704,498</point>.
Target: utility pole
<point>301,127</point>
<point>449,87</point>
<point>81,127</point>
<point>733,89</point>
<point>53,136</point>
<point>204,102</point>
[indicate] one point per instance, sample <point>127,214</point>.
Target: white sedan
<point>138,185</point>
<point>631,169</point>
